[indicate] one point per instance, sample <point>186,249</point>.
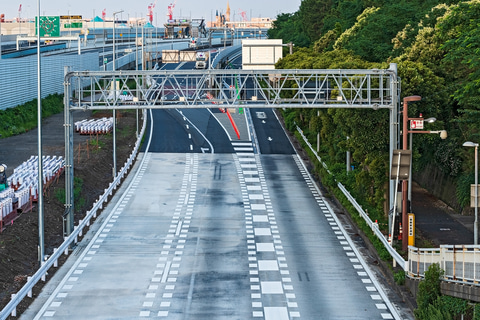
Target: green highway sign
<point>73,25</point>
<point>49,26</point>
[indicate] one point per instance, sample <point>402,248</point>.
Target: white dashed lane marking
<point>271,290</point>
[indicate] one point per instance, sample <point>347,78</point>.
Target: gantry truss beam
<point>158,89</point>
<point>162,89</point>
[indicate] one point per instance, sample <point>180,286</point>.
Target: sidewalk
<point>439,223</point>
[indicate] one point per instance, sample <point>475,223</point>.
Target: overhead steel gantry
<point>161,89</point>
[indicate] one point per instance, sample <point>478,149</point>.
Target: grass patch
<point>14,121</point>
<point>79,201</point>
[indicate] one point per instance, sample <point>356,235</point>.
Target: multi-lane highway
<point>212,226</point>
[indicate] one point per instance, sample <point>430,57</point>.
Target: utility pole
<point>114,101</point>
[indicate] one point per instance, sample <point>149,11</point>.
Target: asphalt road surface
<point>202,235</point>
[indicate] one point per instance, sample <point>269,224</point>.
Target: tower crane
<point>170,10</point>
<point>19,13</point>
<point>151,6</point>
<point>243,14</point>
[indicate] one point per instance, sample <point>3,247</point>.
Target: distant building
<point>223,20</point>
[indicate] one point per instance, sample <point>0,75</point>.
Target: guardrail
<point>148,48</point>
<point>26,290</point>
<point>223,54</point>
<point>396,256</point>
<point>461,263</point>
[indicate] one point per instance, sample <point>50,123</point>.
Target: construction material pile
<point>94,126</point>
<point>23,187</point>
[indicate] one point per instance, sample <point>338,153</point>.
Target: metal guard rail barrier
<point>460,263</point>
<point>52,260</point>
<point>149,48</point>
<point>224,54</point>
<point>396,256</point>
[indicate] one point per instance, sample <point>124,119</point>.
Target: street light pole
<point>136,44</point>
<point>443,136</point>
<point>41,246</point>
<point>114,100</point>
<point>405,182</point>
<point>143,52</point>
<point>0,40</point>
<point>475,224</point>
<point>428,120</point>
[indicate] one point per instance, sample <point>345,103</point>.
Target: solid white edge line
<point>97,234</point>
<point>391,307</point>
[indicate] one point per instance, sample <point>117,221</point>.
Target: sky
<point>135,8</point>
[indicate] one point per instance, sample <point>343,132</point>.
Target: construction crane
<point>151,6</point>
<point>19,13</point>
<point>170,10</point>
<point>243,14</point>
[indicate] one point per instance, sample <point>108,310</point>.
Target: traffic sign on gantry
<point>49,26</point>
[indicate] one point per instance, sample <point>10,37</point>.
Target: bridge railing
<point>460,263</point>
<point>52,261</point>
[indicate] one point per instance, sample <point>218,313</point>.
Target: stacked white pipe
<point>94,126</point>
<point>6,203</point>
<point>24,180</point>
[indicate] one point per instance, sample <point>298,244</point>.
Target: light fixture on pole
<point>114,101</point>
<point>416,123</point>
<point>475,224</point>
<point>41,245</point>
<point>406,100</point>
<point>428,120</point>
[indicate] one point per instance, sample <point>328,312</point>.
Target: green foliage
<point>77,190</point>
<point>476,312</point>
<point>60,195</point>
<point>399,277</point>
<point>446,307</point>
<point>460,31</point>
<point>343,15</point>
<point>326,42</point>
<point>290,117</point>
<point>455,306</point>
<point>433,312</point>
<point>428,290</point>
<point>309,13</point>
<point>97,144</point>
<point>363,20</point>
<point>436,46</point>
<point>288,27</point>
<point>463,188</point>
<point>371,36</point>
<point>23,118</point>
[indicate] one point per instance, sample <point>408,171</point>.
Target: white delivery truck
<point>202,60</point>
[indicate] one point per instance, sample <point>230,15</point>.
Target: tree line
<point>436,45</point>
